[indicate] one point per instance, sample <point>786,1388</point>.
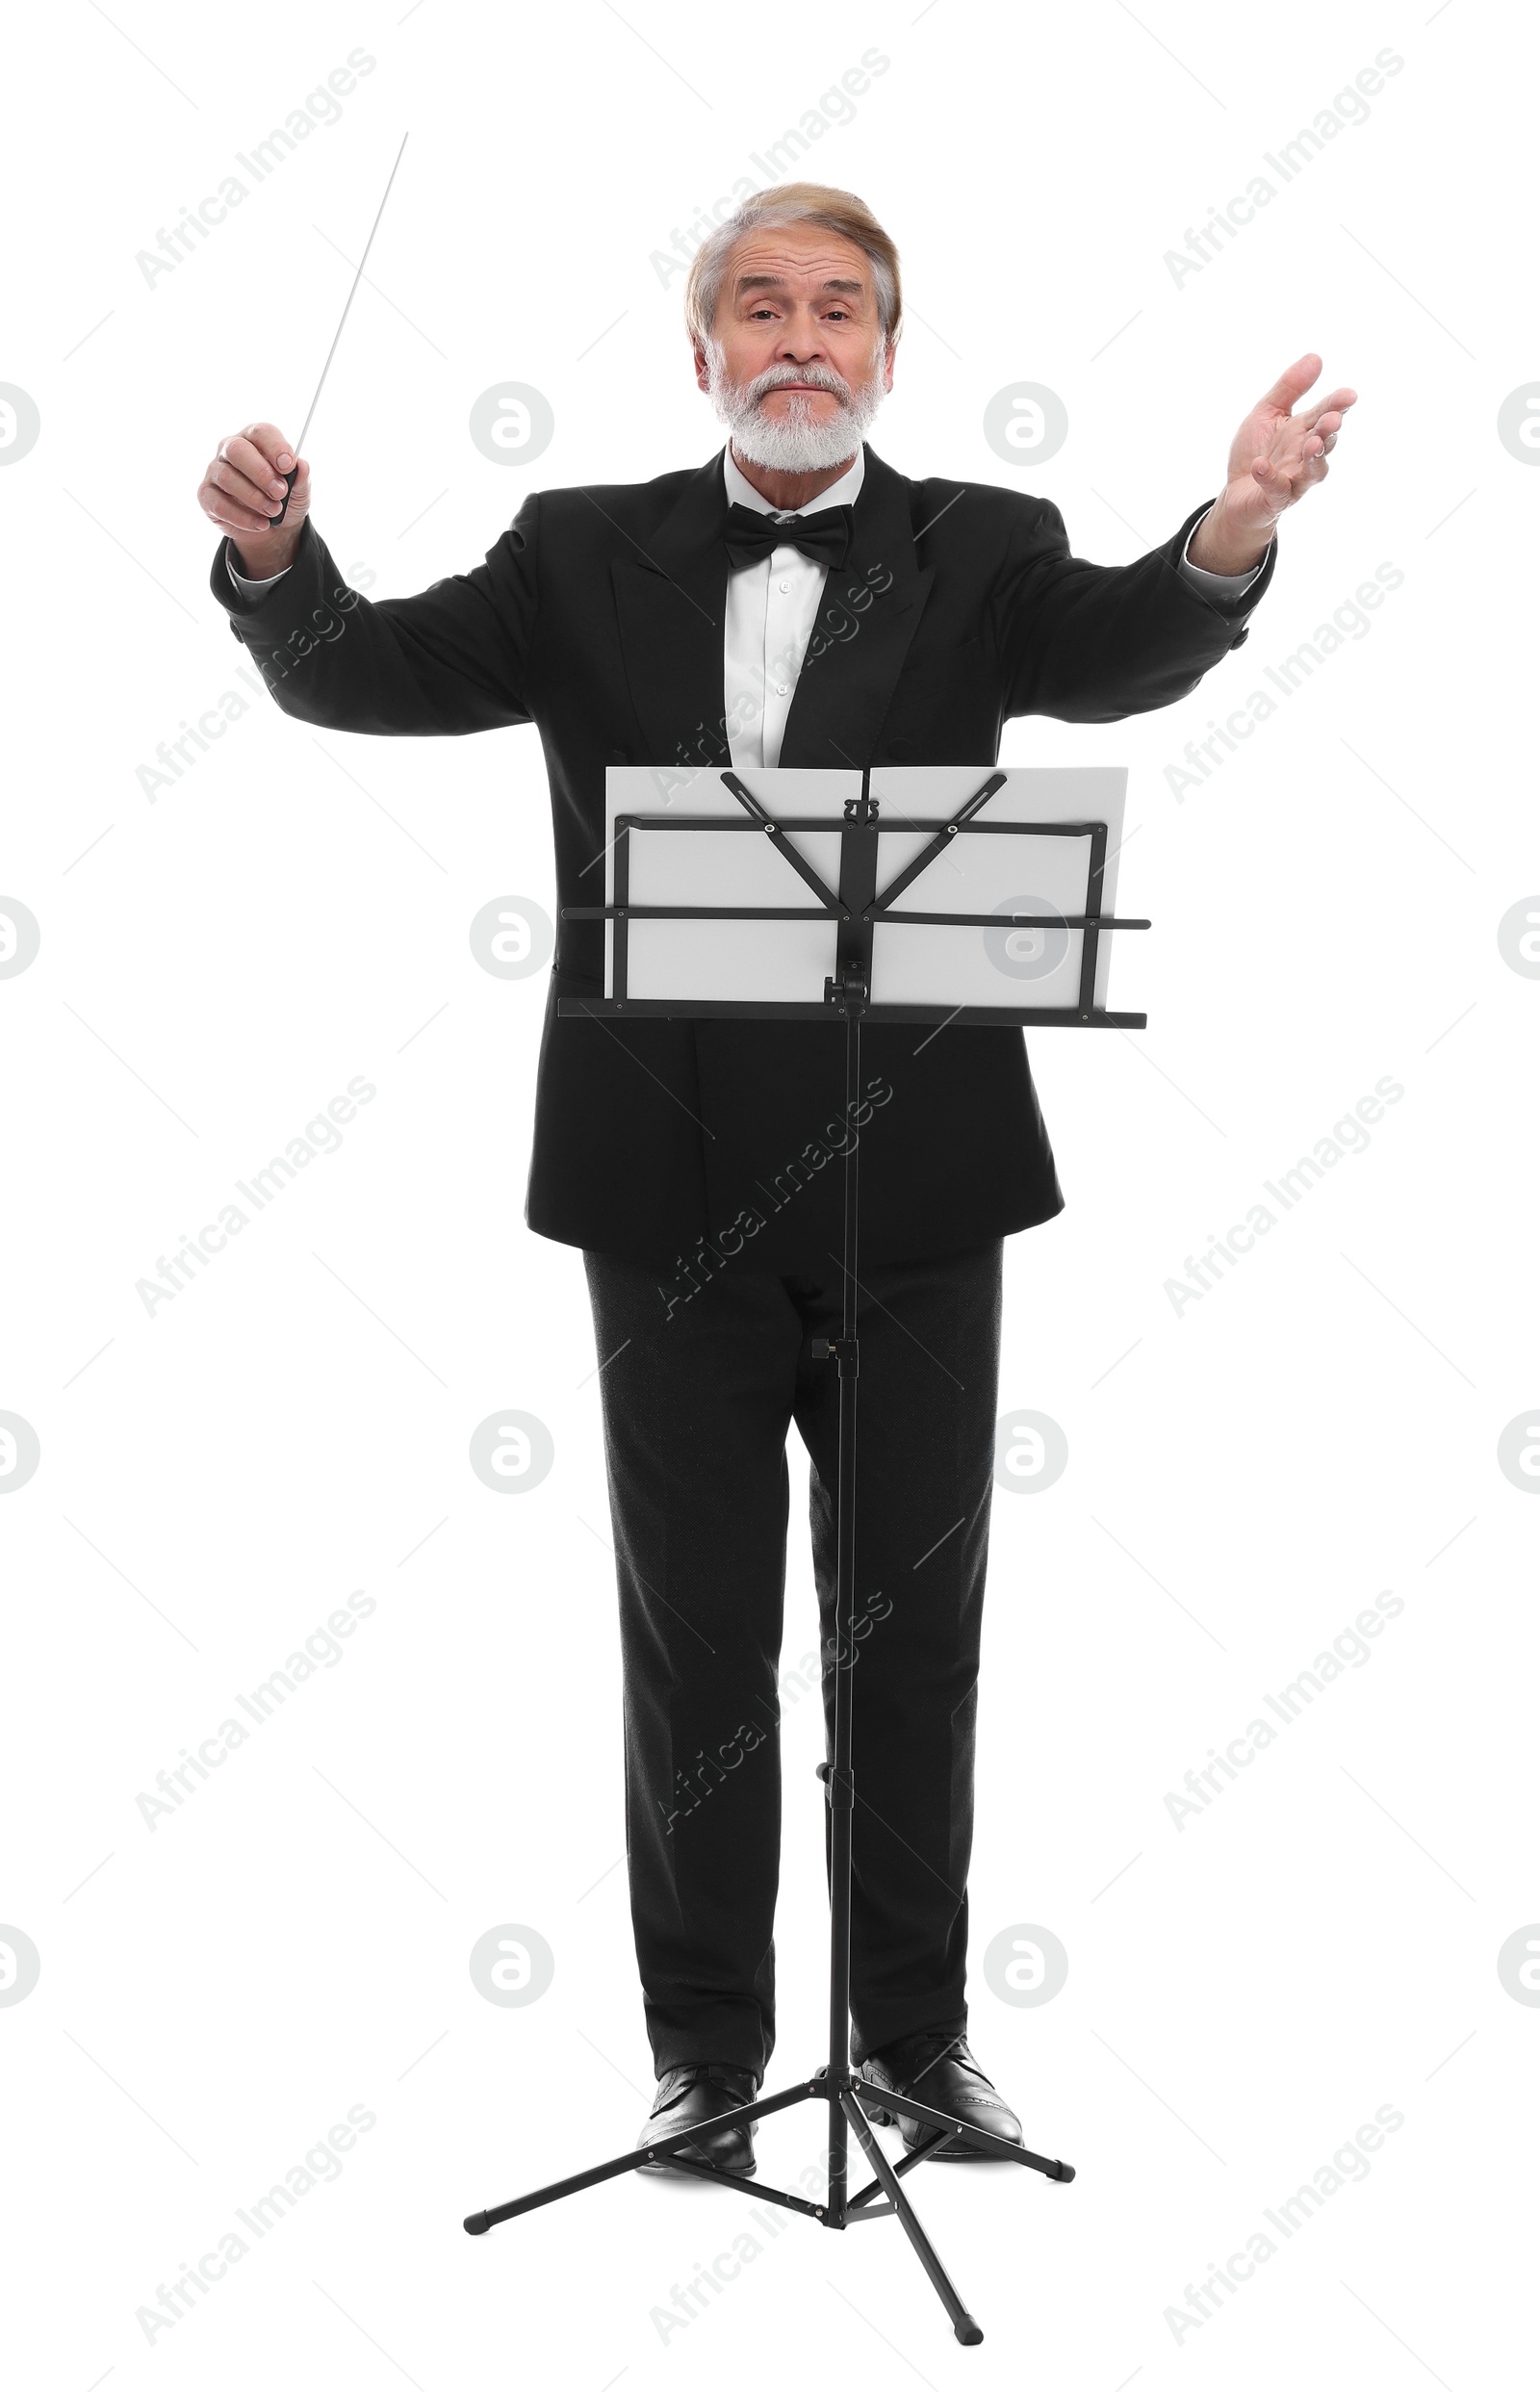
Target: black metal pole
<point>966,2327</point>
<point>839,1782</point>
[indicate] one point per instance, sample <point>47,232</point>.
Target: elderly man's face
<point>797,365</point>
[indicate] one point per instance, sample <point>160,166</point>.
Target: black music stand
<point>857,908</point>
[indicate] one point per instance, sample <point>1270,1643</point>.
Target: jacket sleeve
<point>1092,643</point>
<point>456,657</point>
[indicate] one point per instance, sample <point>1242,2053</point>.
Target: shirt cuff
<point>1207,585</point>
<point>249,589</point>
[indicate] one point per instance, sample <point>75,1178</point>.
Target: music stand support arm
<point>938,846</point>
<point>782,845</point>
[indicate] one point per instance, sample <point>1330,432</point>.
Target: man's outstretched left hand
<point>1274,458</point>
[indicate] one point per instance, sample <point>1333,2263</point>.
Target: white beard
<point>794,443</point>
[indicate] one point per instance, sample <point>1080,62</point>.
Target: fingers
<point>1322,435</point>
<point>1283,484</point>
<point>1322,424</point>
<point>1310,435</point>
<point>232,518</point>
<point>244,487</point>
<point>1337,405</point>
<point>223,507</point>
<point>231,500</point>
<point>246,471</point>
<point>270,445</point>
<point>1292,382</point>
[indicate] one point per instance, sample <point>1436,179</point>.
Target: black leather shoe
<point>703,2091</point>
<point>938,2068</point>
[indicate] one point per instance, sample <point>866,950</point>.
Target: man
<point>796,602</point>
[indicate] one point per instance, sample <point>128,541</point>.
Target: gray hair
<point>793,203</point>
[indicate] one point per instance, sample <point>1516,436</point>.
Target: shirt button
<point>786,585</point>
<point>782,688</point>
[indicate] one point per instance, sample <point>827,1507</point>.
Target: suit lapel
<point>859,641</point>
<point>670,602</point>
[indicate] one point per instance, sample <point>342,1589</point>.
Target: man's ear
<point>889,353</point>
<point>702,372</point>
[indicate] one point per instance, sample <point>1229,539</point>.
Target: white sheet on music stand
<point>781,962</point>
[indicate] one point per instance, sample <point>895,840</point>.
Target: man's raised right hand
<point>242,489</point>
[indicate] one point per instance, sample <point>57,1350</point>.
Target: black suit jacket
<point>599,617</point>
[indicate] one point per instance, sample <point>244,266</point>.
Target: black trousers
<point>697,1406</point>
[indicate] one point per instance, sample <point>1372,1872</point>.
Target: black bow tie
<point>825,537</point>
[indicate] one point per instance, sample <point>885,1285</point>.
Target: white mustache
<point>821,377</point>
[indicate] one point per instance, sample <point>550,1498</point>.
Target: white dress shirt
<point>771,609</point>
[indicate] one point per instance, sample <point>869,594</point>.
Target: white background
<point>1243,1476</point>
